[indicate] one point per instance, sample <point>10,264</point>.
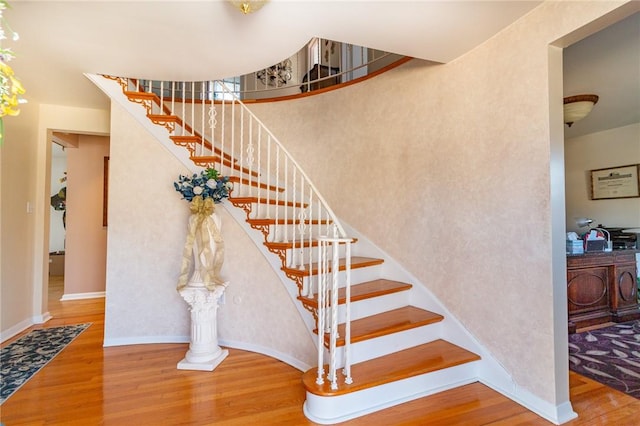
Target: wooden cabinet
<point>602,287</point>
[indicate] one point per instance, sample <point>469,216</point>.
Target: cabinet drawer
<point>623,257</point>
<point>581,261</point>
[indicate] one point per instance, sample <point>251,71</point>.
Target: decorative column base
<point>204,354</point>
<point>210,365</point>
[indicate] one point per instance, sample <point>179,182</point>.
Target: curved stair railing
<point>298,225</point>
<point>389,335</point>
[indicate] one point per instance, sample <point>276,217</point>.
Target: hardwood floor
<point>87,384</point>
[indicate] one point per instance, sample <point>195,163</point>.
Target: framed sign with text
<point>615,182</point>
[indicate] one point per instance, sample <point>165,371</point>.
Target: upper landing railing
<point>320,64</point>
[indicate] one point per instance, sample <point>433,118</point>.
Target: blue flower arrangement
<point>207,184</point>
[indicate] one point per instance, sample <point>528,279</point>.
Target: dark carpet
<point>21,359</point>
<point>609,355</point>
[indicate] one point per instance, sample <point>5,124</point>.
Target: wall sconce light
<point>578,107</point>
<point>583,222</point>
<point>248,6</point>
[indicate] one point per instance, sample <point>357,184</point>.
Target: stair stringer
<point>489,371</point>
<point>114,91</point>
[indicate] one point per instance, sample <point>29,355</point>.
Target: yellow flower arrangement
<point>10,90</point>
<point>10,86</point>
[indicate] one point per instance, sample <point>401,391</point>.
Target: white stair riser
<point>264,211</point>
<point>278,233</point>
<point>358,275</point>
<point>375,305</point>
<point>385,345</point>
<point>335,409</point>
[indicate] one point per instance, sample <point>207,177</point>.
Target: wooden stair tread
<point>362,291</point>
<point>388,322</point>
<point>356,262</point>
<point>164,117</point>
<point>289,244</point>
<point>142,95</point>
<point>426,358</point>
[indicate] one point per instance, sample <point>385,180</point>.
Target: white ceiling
<point>201,40</point>
<point>606,64</point>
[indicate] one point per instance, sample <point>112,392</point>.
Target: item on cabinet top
<point>591,246</point>
<point>624,238</point>
<point>595,234</point>
<point>575,247</point>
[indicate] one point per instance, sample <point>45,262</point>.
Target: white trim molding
<point>79,296</point>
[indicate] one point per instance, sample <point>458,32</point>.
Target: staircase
<point>381,348</point>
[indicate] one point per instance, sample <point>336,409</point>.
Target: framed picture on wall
<point>615,182</point>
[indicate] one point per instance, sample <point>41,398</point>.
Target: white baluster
<point>242,157</point>
<point>233,142</point>
<point>294,250</point>
<point>279,235</point>
<point>250,155</point>
<point>202,122</point>
<point>184,106</point>
<point>213,122</point>
<point>259,207</point>
<point>334,317</point>
<point>301,223</point>
<point>268,172</point>
<point>222,140</point>
<point>161,97</point>
<point>347,332</point>
<point>286,199</point>
<point>322,258</point>
<point>173,97</point>
<point>310,249</point>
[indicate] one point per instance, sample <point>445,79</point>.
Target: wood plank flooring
<point>139,385</point>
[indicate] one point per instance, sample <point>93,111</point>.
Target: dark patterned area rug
<point>609,355</point>
<point>21,359</point>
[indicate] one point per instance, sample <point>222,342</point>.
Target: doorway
<point>77,234</point>
<point>57,219</point>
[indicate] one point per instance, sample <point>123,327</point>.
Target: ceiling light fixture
<point>578,107</point>
<point>248,6</point>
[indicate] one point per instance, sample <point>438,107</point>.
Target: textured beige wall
<point>86,237</point>
<point>611,148</point>
<point>447,168</point>
<point>17,188</point>
<point>26,178</point>
<point>146,235</point>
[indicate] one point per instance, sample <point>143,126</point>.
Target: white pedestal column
<point>204,353</point>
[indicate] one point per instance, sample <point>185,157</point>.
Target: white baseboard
<point>144,340</point>
<point>286,358</point>
<point>556,414</point>
<point>79,296</point>
<point>41,319</point>
<point>23,325</point>
<point>148,340</point>
<point>16,329</point>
